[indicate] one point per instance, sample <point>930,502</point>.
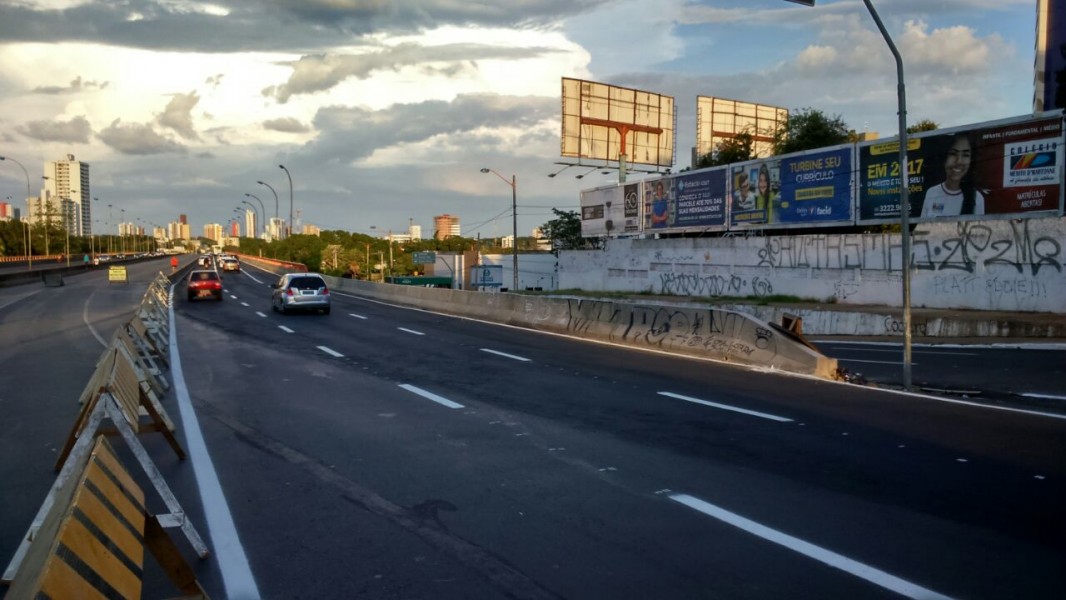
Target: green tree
<point>809,129</point>
<point>564,231</point>
<point>923,125</point>
<point>739,148</point>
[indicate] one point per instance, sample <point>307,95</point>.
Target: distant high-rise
<point>66,189</point>
<point>184,220</point>
<point>445,226</point>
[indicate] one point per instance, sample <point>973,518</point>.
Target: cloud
<point>317,73</point>
<point>137,139</point>
<point>351,134</point>
<point>178,115</point>
<point>75,131</point>
<point>286,125</point>
<point>75,86</point>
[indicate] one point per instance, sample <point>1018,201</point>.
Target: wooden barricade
<point>91,541</point>
<point>108,404</point>
<point>124,385</point>
<point>143,358</point>
<point>153,344</point>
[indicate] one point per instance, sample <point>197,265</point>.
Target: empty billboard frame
<point>609,123</point>
<point>721,119</point>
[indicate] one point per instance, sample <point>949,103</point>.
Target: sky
<point>384,112</point>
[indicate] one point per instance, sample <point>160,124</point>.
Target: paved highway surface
<point>384,452</point>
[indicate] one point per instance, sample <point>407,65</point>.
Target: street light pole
<point>254,212</point>
<point>29,244</point>
<point>110,217</point>
<point>282,167</point>
<point>514,222</point>
<point>273,191</point>
<point>264,213</point>
<point>122,236</point>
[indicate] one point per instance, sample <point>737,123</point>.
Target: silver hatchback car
<point>300,291</point>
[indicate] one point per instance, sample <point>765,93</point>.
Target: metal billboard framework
<point>721,119</point>
<point>611,123</point>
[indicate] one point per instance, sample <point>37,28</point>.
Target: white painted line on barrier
<point>727,407</point>
<point>237,575</point>
<point>411,331</point>
<point>430,396</point>
<point>285,329</point>
<point>356,316</point>
<point>861,570</point>
<point>505,355</point>
<point>260,314</point>
<point>330,352</point>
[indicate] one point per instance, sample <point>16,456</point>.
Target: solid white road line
<point>412,331</point>
<point>430,396</point>
<point>876,362</point>
<point>85,319</point>
<point>727,407</point>
<point>1044,396</point>
<point>852,567</point>
<point>505,355</point>
<point>232,562</point>
<point>330,352</point>
<point>356,316</point>
<point>285,329</point>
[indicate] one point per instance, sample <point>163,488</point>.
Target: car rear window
<point>307,283</point>
<point>205,275</point>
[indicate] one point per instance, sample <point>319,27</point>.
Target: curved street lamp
<point>275,196</point>
<point>282,167</point>
<point>513,182</point>
<point>255,212</point>
<point>264,213</point>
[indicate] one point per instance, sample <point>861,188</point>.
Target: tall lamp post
<point>254,212</point>
<point>273,191</point>
<point>904,184</point>
<point>29,245</point>
<point>264,213</point>
<point>282,167</point>
<point>122,236</point>
<point>110,220</point>
<point>513,182</point>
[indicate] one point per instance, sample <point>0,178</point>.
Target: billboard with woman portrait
<point>1006,169</point>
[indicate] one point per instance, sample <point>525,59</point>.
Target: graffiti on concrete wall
<point>974,244</point>
<point>689,284</point>
<point>715,331</point>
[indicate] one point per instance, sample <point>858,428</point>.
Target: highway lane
<point>908,485</point>
<point>570,474</point>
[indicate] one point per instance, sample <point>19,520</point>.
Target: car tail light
<point>288,291</point>
<point>325,291</point>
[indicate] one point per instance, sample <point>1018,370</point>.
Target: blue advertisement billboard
<point>686,201</point>
<point>810,188</point>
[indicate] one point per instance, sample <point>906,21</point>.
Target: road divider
<point>125,390</point>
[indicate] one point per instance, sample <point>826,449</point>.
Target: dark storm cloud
<point>317,73</point>
<point>74,131</point>
<point>350,134</point>
<point>138,139</point>
<point>264,25</point>
<point>178,115</point>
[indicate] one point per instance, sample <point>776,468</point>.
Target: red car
<point>204,284</point>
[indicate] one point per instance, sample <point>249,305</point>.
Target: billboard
<point>610,211</point>
<point>721,119</point>
<point>807,188</point>
<point>695,200</point>
<point>604,122</point>
<point>1008,169</point>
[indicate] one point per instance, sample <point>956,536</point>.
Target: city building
<point>65,196</point>
<point>309,229</point>
<point>445,226</point>
<point>250,224</point>
<point>213,231</point>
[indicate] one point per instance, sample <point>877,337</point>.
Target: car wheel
<point>190,297</point>
<point>325,311</point>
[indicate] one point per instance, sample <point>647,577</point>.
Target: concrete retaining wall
<point>983,265</point>
<point>706,332</point>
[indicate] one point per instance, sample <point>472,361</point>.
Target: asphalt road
<point>390,453</point>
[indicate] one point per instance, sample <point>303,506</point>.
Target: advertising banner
<point>815,188</point>
<point>610,211</point>
<point>693,200</point>
<point>1013,170</point>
